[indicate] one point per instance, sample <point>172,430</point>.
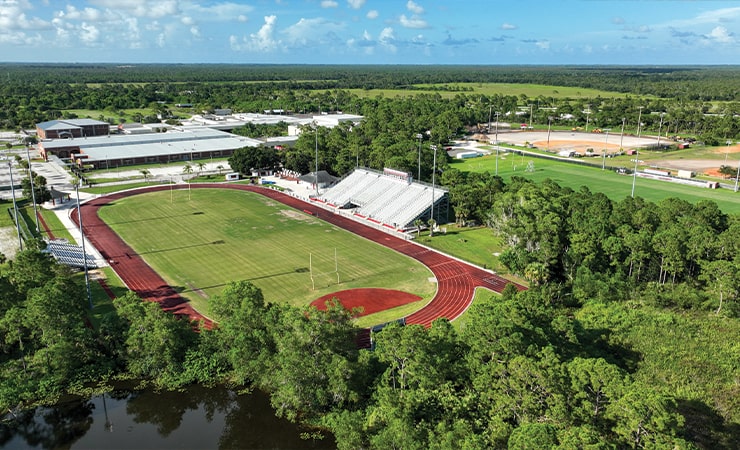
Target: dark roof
<point>324,177</point>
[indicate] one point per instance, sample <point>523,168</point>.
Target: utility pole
<point>639,122</point>
<point>419,136</point>
<point>621,136</point>
<point>660,128</point>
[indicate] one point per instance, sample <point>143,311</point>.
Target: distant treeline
<point>708,83</point>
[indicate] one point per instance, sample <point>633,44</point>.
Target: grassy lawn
<point>476,245</point>
<point>615,186</point>
<point>219,236</point>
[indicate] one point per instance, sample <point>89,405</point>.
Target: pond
<point>197,418</point>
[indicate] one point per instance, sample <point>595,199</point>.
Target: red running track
<point>456,280</point>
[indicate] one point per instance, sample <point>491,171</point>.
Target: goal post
<point>323,270</point>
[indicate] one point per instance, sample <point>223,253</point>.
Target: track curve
<point>456,280</point>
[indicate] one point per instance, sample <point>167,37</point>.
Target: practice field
<point>201,240</point>
<point>615,186</point>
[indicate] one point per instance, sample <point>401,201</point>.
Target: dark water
<point>197,418</point>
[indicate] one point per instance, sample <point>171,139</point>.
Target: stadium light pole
<point>639,122</point>
<point>490,109</point>
<point>621,136</point>
<point>588,114</point>
<point>606,143</point>
<point>419,136</point>
<point>84,253</point>
<point>434,170</point>
<point>495,142</point>
<point>15,207</point>
<point>549,124</point>
<point>33,190</point>
<point>634,173</point>
<point>660,128</point>
<point>729,142</point>
<point>316,171</point>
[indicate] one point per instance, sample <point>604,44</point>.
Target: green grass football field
<point>202,240</point>
<point>615,186</point>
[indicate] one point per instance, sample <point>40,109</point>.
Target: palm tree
<point>431,223</point>
<point>145,173</point>
<point>201,166</point>
<point>418,223</point>
<point>220,168</point>
<point>188,169</point>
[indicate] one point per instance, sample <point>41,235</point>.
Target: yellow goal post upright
<point>314,275</point>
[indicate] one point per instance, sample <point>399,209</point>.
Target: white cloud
<point>89,34</point>
<point>543,45</point>
<point>356,4</point>
<point>141,8</point>
<point>305,31</point>
<point>372,14</point>
<point>87,14</point>
<point>387,39</point>
<point>508,26</point>
<point>720,34</point>
<point>717,15</point>
<point>329,4</point>
<point>261,41</point>
<point>414,7</point>
<point>187,20</point>
<point>218,12</point>
<point>412,22</point>
<point>13,17</point>
<point>195,31</point>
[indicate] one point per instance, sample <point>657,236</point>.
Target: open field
<point>530,90</point>
<point>615,186</point>
<point>219,236</point>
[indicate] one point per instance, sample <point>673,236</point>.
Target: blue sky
<point>372,31</point>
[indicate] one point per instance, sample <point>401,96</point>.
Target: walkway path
<point>456,280</point>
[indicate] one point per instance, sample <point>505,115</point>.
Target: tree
<point>723,278</point>
<point>246,159</point>
<point>201,165</point>
<point>40,190</point>
<point>727,171</point>
<point>156,341</point>
<point>145,173</point>
<point>187,169</point>
<point>314,367</point>
<point>418,223</point>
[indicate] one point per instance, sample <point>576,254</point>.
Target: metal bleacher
<point>384,199</point>
<point>70,254</point>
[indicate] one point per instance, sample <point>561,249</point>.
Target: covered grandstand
<point>390,198</point>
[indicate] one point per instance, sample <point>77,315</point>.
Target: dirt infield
<point>371,300</point>
<point>578,146</point>
<point>456,280</point>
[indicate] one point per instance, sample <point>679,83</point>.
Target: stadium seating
<point>70,254</point>
<point>383,199</point>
